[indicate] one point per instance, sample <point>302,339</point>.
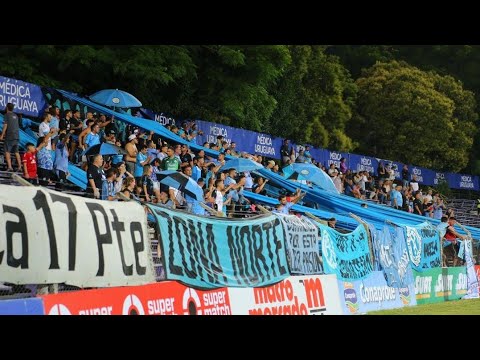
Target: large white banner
<point>302,238</point>
<point>296,295</point>
<point>50,237</point>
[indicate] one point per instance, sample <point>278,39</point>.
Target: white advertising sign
<point>296,295</point>
<point>50,237</point>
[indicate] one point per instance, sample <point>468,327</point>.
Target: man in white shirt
<point>44,129</point>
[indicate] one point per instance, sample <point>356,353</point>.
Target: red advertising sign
<point>165,298</point>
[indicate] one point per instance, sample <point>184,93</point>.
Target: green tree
<point>414,116</point>
<point>315,100</point>
<point>232,83</point>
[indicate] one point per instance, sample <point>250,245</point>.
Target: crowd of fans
<point>146,154</point>
<point>133,173</point>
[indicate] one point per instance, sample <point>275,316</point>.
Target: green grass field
<point>459,307</point>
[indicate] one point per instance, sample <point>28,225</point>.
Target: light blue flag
<point>346,255</point>
<point>215,252</point>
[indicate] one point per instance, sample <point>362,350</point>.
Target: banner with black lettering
<point>301,238</point>
<point>210,253</point>
<point>50,237</point>
<point>346,255</point>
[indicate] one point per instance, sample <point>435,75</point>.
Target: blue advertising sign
<point>264,144</point>
<point>334,157</point>
<point>373,293</point>
<point>417,172</point>
<point>439,177</point>
<point>211,131</point>
<point>346,255</point>
<point>249,141</point>
<point>211,253</point>
<point>161,118</point>
<point>30,306</point>
<point>27,98</point>
<point>363,163</point>
<point>464,181</point>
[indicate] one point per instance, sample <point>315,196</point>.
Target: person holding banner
<point>452,238</point>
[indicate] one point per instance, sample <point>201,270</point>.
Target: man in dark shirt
<point>11,135</point>
<point>95,176</point>
<point>65,124</point>
<point>405,176</point>
<point>185,157</point>
<point>418,205</point>
<point>285,152</point>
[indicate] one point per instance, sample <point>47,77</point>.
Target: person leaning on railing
<point>452,242</point>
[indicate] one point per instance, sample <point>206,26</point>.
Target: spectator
<point>129,188</point>
<point>108,185</point>
<point>343,165</point>
<point>381,171</point>
<point>170,162</point>
<point>84,133</point>
<point>92,138</point>
<point>405,176</point>
<point>307,154</point>
<point>149,189</point>
<point>258,188</point>
<point>451,238</point>
<point>142,160</point>
<point>270,165</point>
<point>121,176</point>
<point>61,157</point>
<point>285,152</point>
<point>30,159</point>
<point>396,197</point>
<point>165,201</point>
<point>418,205</point>
<point>55,124</point>
<point>414,184</point>
<point>132,152</point>
<point>95,176</point>
<point>11,136</point>
<point>44,128</point>
<point>301,157</point>
<point>288,204</point>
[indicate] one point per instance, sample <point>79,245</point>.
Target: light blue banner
<point>391,256</point>
<point>211,253</point>
<point>423,245</point>
<point>373,293</point>
<point>346,255</point>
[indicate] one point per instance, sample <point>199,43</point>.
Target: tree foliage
<point>413,116</point>
<point>308,93</point>
<point>315,99</point>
